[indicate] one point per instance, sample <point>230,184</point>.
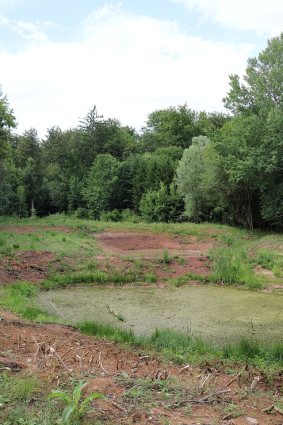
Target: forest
<point>184,165</point>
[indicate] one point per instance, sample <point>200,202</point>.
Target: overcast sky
<point>58,58</point>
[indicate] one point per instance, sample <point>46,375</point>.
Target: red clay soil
<point>150,247</point>
<point>56,353</point>
<point>135,241</point>
<point>25,265</point>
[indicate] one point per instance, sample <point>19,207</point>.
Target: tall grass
<point>231,265</point>
<point>182,348</point>
<point>96,277</point>
<point>105,330</point>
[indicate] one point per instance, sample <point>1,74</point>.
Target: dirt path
<point>139,388</point>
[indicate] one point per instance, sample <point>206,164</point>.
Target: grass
<point>19,389</point>
<point>107,331</point>
<point>95,277</point>
<point>231,265</point>
<point>20,298</point>
<point>186,348</point>
<point>188,277</point>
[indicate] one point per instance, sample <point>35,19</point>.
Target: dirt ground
<point>204,396</point>
<point>187,254</point>
<point>34,266</point>
<point>29,266</point>
<point>136,241</point>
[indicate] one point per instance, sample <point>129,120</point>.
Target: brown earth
<point>187,254</point>
<point>29,266</point>
<point>135,241</point>
<point>34,266</point>
<point>204,395</point>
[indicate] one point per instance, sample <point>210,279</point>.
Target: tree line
<point>184,165</point>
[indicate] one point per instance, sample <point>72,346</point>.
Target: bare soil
<point>135,241</point>
<point>29,266</point>
<point>186,254</point>
<point>196,395</point>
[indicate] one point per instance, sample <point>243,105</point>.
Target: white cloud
<point>127,65</point>
<point>27,30</point>
<point>261,16</point>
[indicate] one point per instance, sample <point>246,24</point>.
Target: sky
<point>59,58</point>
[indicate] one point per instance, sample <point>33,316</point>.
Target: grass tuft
<point>108,331</point>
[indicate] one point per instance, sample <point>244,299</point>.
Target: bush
<point>163,205</point>
<point>113,215</point>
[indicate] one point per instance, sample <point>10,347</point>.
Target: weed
<point>166,259</point>
<point>150,277</point>
<point>233,411</point>
<point>74,278</point>
<point>76,405</point>
<point>231,266</point>
<point>20,389</point>
<point>107,331</point>
<point>186,278</point>
<point>180,260</point>
<point>266,259</point>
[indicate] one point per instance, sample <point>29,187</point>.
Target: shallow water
<point>216,313</point>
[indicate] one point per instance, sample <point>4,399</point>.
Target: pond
<point>219,314</point>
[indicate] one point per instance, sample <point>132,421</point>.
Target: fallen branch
<point>233,380</point>
<point>207,399</point>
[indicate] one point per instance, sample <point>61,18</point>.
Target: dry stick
<point>119,407</point>
<point>52,351</point>
<point>100,364</point>
<point>233,380</point>
<point>212,395</point>
<point>80,360</point>
<point>202,400</point>
<point>204,380</point>
<point>65,341</point>
<point>185,368</point>
<point>66,352</point>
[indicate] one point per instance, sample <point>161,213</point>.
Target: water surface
<point>216,313</point>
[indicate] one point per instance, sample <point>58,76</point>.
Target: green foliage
<point>162,205</point>
<point>76,405</point>
<point>262,88</point>
<point>198,181</point>
<point>100,184</point>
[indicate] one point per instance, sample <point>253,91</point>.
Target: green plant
<point>150,277</point>
<point>20,389</point>
<point>76,406</point>
<point>231,266</point>
<point>166,259</point>
<point>233,411</point>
